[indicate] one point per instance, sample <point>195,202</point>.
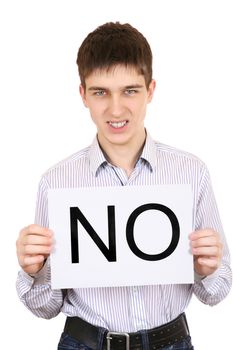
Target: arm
<point>34,245</point>
<point>213,276</point>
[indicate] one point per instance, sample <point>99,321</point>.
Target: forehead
<point>115,76</point>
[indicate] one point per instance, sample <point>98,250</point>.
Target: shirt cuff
<point>41,277</point>
<point>207,281</point>
<point>197,277</point>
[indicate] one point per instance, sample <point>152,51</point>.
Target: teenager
<point>115,68</point>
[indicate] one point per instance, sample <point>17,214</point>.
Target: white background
<point>43,121</point>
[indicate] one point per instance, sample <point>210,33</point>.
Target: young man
<point>115,67</point>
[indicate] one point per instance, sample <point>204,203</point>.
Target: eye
<point>130,92</point>
<point>100,93</point>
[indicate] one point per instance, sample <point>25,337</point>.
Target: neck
<point>124,156</point>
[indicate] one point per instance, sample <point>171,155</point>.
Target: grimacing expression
<point>117,100</point>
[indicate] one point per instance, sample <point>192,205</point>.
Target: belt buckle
<point>109,338</point>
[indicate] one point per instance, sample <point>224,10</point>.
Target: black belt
<point>159,337</point>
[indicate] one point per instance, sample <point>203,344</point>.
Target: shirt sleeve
<point>213,288</point>
<point>35,291</point>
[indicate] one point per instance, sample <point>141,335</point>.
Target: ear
<point>83,94</point>
<point>151,90</point>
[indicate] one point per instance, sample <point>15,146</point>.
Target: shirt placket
<point>137,308</point>
<point>120,175</point>
<point>137,305</point>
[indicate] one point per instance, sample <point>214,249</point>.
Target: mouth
<point>118,125</point>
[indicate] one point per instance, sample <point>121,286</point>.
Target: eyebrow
<point>133,86</point>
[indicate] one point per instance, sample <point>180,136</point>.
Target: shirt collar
<point>149,152</point>
<point>97,158</point>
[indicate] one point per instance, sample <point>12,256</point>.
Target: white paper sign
<point>121,236</point>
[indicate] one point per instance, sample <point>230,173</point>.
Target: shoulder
<point>70,160</point>
<point>182,163</point>
<point>168,151</point>
<point>66,168</point>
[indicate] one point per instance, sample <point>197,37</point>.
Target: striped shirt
<point>128,309</point>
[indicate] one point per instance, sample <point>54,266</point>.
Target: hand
<point>34,244</point>
<point>207,250</point>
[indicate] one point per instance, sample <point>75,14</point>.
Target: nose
<point>115,106</point>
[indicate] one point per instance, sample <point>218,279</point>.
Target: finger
<point>37,230</point>
<point>211,262</point>
<point>206,242</point>
<point>31,260</point>
<point>31,249</point>
<point>202,233</point>
<point>37,240</point>
<point>207,251</point>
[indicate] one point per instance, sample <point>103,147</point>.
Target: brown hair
<point>111,44</point>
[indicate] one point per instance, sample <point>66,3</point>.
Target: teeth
<point>117,124</point>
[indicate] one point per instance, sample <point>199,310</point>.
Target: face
<point>117,100</point>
